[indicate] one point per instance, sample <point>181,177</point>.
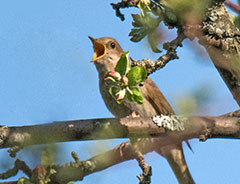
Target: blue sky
<point>46,75</point>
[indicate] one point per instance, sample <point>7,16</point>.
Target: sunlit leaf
<point>143,24</point>
<point>123,65</point>
<point>135,96</point>
<point>153,41</point>
<point>136,75</point>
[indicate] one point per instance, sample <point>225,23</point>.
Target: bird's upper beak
<point>99,49</point>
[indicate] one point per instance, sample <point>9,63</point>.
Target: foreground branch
<point>225,126</point>
<point>109,128</point>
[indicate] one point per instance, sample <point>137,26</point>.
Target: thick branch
<point>94,129</point>
<point>221,39</point>
<point>226,126</point>
<point>91,129</point>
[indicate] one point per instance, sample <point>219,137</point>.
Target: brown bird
<point>107,53</point>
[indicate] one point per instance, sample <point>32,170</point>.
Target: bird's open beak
<point>99,49</point>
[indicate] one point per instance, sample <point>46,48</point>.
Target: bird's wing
<point>156,98</point>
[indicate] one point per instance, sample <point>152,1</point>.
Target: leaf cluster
<point>124,81</point>
<point>145,24</point>
<point>171,12</point>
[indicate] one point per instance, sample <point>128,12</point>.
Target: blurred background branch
<point>232,5</point>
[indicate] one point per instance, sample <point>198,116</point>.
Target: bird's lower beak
<point>99,49</point>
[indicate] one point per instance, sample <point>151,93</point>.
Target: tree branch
<point>123,4</point>
<point>171,54</point>
<point>203,127</point>
<point>233,6</point>
<point>109,128</point>
<point>221,39</point>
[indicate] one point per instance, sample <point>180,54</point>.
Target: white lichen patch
<point>21,137</point>
<point>172,122</point>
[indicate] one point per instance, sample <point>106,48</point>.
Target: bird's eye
<point>113,45</point>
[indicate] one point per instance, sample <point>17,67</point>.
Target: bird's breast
<point>118,110</point>
<point>126,107</point>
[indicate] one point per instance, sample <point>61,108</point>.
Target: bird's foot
<point>134,115</point>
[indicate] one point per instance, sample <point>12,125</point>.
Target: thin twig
<point>18,165</point>
<point>145,177</point>
<point>171,54</point>
<point>155,7</point>
<point>232,5</point>
<point>123,4</point>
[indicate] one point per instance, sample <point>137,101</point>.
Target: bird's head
<point>107,52</point>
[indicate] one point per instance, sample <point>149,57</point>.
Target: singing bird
<point>107,53</point>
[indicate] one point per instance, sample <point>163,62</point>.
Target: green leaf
<point>23,180</point>
<point>137,20</point>
<point>143,25</point>
<point>170,18</point>
<point>153,41</point>
<point>123,65</point>
<point>138,34</point>
<point>136,75</point>
<point>136,95</point>
<point>110,91</point>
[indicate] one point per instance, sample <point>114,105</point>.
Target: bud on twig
<point>125,80</point>
<point>110,78</point>
<point>115,75</point>
<point>121,94</point>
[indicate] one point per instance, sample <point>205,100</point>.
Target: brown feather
<point>156,98</point>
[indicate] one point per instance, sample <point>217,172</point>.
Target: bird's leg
<point>133,115</point>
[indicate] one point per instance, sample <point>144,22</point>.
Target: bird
<point>107,53</point>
